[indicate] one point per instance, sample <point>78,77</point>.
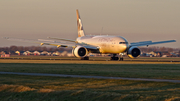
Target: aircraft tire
<point>85,58</point>
<point>114,58</point>
<point>121,59</point>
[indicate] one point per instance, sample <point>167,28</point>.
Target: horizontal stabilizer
<point>22,40</point>
<point>62,39</point>
<point>43,42</point>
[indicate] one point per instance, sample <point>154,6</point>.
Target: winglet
<point>79,25</point>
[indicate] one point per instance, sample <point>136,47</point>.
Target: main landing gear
<point>116,58</point>
<point>85,58</point>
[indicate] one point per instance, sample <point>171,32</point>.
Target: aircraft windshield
<point>123,42</point>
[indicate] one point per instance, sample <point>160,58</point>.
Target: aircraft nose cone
<point>123,47</point>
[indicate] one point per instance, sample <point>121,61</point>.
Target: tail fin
<point>79,25</point>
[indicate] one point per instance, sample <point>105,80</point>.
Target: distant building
<point>4,52</point>
<point>19,52</point>
<point>166,53</point>
<point>57,53</point>
<point>36,53</point>
<point>64,53</point>
<point>158,54</point>
<point>45,53</point>
<point>70,54</point>
<point>174,55</point>
<point>5,55</point>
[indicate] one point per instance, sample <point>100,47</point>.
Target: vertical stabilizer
<point>79,25</point>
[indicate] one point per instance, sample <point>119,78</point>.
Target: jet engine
<point>133,52</point>
<point>80,51</point>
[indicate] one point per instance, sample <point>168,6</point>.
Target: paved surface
<point>77,59</point>
<point>95,77</point>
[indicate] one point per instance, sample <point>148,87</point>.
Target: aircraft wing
<point>58,44</point>
<point>74,42</point>
<point>147,43</point>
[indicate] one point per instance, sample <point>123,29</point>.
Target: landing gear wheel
<point>114,58</point>
<point>85,58</point>
<point>121,59</point>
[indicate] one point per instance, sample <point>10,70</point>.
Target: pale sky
<point>135,20</point>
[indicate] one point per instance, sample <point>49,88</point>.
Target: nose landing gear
<point>121,59</point>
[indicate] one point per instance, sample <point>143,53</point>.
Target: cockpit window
<point>123,42</point>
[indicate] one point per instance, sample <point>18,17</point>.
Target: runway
<point>93,60</point>
<point>95,77</point>
<point>175,60</point>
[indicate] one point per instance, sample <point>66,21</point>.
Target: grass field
<point>28,88</point>
<point>157,71</point>
<point>20,88</point>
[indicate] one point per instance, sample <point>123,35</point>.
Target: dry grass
<point>34,88</point>
<point>173,99</point>
<point>53,88</point>
<point>14,88</point>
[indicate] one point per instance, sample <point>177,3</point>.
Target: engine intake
<point>80,51</point>
<point>133,52</point>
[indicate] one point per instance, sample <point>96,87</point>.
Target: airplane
<point>102,44</point>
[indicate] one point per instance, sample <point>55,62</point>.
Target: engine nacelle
<point>80,51</point>
<point>133,52</point>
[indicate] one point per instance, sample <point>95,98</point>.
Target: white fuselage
<point>106,44</point>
